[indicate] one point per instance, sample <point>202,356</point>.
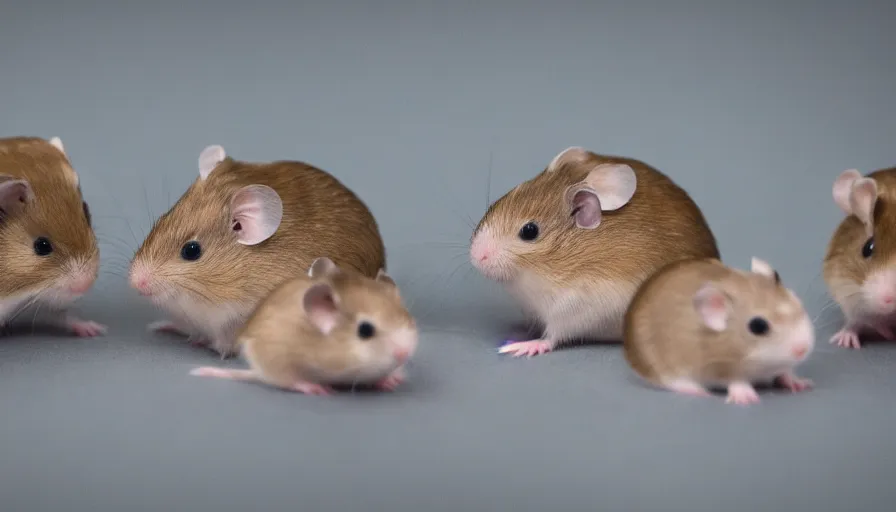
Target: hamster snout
<point>487,255</point>
<point>879,291</point>
<point>404,344</point>
<point>141,279</point>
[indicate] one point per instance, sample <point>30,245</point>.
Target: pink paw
<point>391,382</point>
<point>794,384</point>
<point>527,348</point>
<point>742,394</point>
<point>688,388</point>
<point>86,329</point>
<point>846,338</point>
<point>310,388</point>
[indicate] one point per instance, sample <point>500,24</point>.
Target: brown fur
<point>58,213</point>
<point>660,224</point>
<point>283,346</point>
<point>843,261</point>
<point>664,337</point>
<point>321,217</point>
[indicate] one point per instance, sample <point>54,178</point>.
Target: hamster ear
<point>763,268</point>
<point>15,193</point>
<point>209,159</point>
<point>585,206</point>
<point>712,305</point>
<point>322,307</point>
<point>570,155</point>
<point>383,277</point>
<point>843,187</point>
<point>862,199</point>
<point>614,184</point>
<point>56,142</point>
<point>321,267</point>
<point>255,213</point>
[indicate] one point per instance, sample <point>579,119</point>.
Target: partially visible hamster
<point>574,243</point>
<point>332,327</point>
<point>699,323</point>
<point>239,231</point>
<point>860,261</point>
<point>49,255</point>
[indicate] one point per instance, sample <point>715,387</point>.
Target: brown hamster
<point>573,244</point>
<point>237,232</point>
<point>49,255</point>
<point>860,262</point>
<point>699,323</point>
<point>332,327</point>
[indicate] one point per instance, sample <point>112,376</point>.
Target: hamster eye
<point>529,232</point>
<point>758,326</point>
<point>42,246</point>
<point>191,251</point>
<point>868,248</point>
<point>365,330</point>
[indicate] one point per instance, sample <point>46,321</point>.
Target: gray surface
<point>754,108</point>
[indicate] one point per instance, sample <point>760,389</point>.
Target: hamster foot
<point>392,381</point>
<point>223,373</point>
<point>687,387</point>
<point>84,328</point>
<point>847,338</point>
<point>168,327</point>
<point>527,348</point>
<point>793,383</point>
<point>310,388</point>
<point>742,393</point>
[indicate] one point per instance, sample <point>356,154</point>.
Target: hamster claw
<point>310,388</point>
<point>793,383</point>
<point>166,326</point>
<point>526,348</point>
<point>742,393</point>
<point>85,329</point>
<point>392,381</point>
<point>846,338</point>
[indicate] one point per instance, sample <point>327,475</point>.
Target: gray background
<point>753,107</point>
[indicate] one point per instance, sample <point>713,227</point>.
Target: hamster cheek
<point>879,291</point>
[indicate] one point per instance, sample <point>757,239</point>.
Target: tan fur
<point>58,213</point>
<point>580,281</point>
<point>321,217</point>
<point>666,340</point>
<point>282,346</point>
<point>844,268</point>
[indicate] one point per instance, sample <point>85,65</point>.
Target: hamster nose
<point>888,300</point>
<point>800,350</point>
<point>81,285</point>
<point>141,283</point>
<point>401,354</point>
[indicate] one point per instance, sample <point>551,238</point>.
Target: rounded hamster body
<point>49,255</point>
<point>574,243</point>
<point>237,232</point>
<point>860,260</point>
<point>332,327</point>
<point>699,324</point>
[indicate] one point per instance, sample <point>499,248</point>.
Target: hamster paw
<point>687,387</point>
<point>392,381</point>
<point>793,383</point>
<point>166,326</point>
<point>85,329</point>
<point>527,348</point>
<point>847,338</point>
<point>742,393</point>
<point>310,388</point>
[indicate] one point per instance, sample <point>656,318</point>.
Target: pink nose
<point>80,286</point>
<point>401,354</point>
<point>141,283</point>
<point>800,350</point>
<point>887,299</point>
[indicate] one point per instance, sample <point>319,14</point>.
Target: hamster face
<point>860,264</point>
<point>49,249</point>
<point>547,221</point>
<point>368,332</point>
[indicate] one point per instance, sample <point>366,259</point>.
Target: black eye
<point>87,213</point>
<point>42,246</point>
<point>191,251</point>
<point>529,232</point>
<point>868,248</point>
<point>365,330</point>
<point>758,326</point>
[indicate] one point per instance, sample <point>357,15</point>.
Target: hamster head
<point>764,320</point>
<point>363,320</point>
<point>550,218</point>
<point>860,266</point>
<point>200,250</point>
<point>48,247</point>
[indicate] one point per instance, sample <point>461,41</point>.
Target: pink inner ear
<point>14,194</point>
<point>256,214</point>
<point>321,308</point>
<point>713,307</point>
<point>586,209</point>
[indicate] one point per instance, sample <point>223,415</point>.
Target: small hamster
<point>699,323</point>
<point>573,244</point>
<point>237,232</point>
<point>860,261</point>
<point>49,255</point>
<point>328,328</point>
